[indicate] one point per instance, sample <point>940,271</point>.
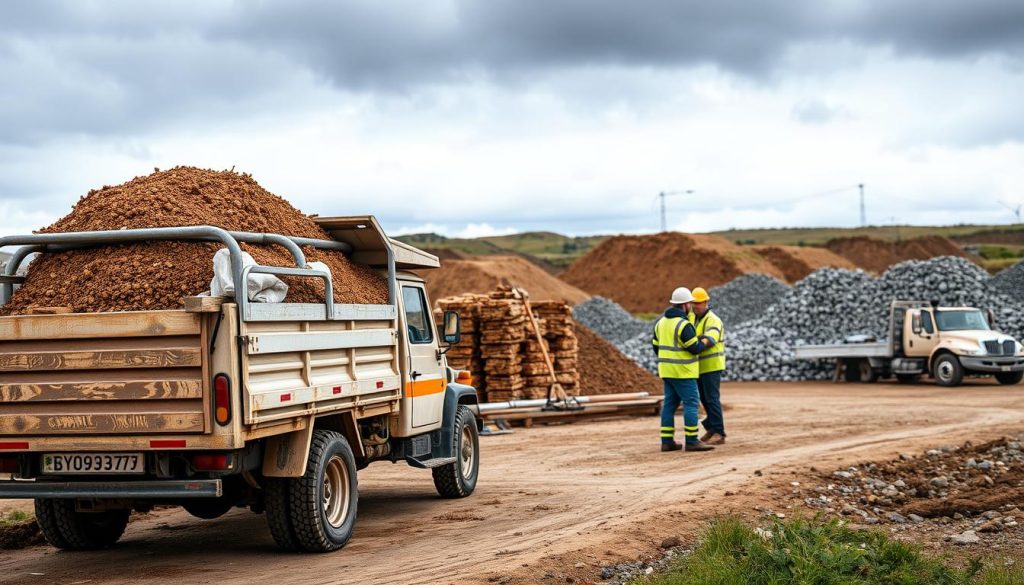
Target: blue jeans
<point>710,386</point>
<point>678,390</point>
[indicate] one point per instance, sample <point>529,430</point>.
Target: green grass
<point>816,552</point>
<point>818,236</point>
<point>15,517</point>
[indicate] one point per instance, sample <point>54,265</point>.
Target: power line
<point>662,196</point>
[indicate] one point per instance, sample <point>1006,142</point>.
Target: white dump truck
<point>946,343</point>
<point>231,403</point>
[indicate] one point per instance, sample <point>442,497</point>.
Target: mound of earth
<point>483,274</point>
<point>877,256</point>
<point>796,262</point>
<point>158,275</point>
<point>640,272</point>
<point>605,370</point>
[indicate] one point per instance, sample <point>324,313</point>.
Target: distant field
<point>555,249</point>
<point>818,236</point>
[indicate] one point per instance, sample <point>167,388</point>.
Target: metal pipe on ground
<point>541,402</point>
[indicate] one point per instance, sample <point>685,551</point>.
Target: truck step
<point>430,463</point>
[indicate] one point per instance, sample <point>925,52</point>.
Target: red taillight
<point>211,462</point>
<point>167,444</point>
<point>221,399</point>
<point>8,465</point>
<point>14,445</point>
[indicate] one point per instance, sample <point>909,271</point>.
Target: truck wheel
<point>275,494</point>
<point>209,509</point>
<point>458,480</point>
<point>323,501</point>
<point>66,528</point>
<point>1009,378</point>
<point>948,371</point>
<point>868,375</point>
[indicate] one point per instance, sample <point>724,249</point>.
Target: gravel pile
<point>1011,281</point>
<point>609,320</point>
<point>831,304</point>
<point>746,297</point>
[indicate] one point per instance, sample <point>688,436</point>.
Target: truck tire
<point>324,500</point>
<point>458,480</point>
<point>1009,378</point>
<point>209,509</point>
<point>868,375</point>
<point>947,370</point>
<point>275,495</point>
<point>68,529</point>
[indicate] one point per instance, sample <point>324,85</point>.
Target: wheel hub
<point>335,494</point>
<point>466,452</point>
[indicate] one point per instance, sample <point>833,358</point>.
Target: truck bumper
<point>199,488</point>
<point>993,365</point>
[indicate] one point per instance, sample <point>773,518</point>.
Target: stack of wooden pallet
<point>501,350</point>
<point>466,355</point>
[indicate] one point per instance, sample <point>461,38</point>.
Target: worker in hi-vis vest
<point>677,346</point>
<point>712,364</point>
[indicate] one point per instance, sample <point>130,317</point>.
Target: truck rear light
<point>8,465</point>
<point>13,445</point>
<point>167,444</point>
<point>222,399</point>
<point>212,461</point>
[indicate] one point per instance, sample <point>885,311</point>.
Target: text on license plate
<point>93,463</point>
<point>1006,368</point>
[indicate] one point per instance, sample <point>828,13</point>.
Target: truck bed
<point>843,350</point>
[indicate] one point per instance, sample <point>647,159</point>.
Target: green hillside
<point>1013,233</point>
<point>554,249</point>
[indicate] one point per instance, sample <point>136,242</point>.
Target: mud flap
<point>286,455</point>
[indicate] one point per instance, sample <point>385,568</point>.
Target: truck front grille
<point>994,347</point>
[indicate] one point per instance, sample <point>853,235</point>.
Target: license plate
<point>1006,368</point>
<point>93,463</point>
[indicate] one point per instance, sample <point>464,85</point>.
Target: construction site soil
<point>483,274</point>
<point>158,275</point>
<point>796,262</point>
<point>640,272</point>
<point>605,370</point>
<point>569,501</point>
<point>877,256</point>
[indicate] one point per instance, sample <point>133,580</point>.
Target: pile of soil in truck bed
<point>158,275</point>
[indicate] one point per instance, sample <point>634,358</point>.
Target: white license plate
<point>1006,368</point>
<point>93,463</point>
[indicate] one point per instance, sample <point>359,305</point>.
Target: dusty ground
<point>558,501</point>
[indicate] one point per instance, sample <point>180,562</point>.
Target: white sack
<point>262,288</point>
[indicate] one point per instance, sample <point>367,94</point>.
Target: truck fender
<point>454,395</point>
<point>285,455</point>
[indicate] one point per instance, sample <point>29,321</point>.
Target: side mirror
<point>991,315</point>
<point>452,331</point>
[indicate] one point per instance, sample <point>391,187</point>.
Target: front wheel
<point>458,479</point>
<point>1009,378</point>
<point>324,500</point>
<point>948,371</point>
<point>65,527</point>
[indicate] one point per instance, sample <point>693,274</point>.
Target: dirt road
<point>562,499</point>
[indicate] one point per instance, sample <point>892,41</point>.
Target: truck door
<point>921,339</point>
<point>426,380</point>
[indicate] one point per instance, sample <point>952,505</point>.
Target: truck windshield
<point>961,320</point>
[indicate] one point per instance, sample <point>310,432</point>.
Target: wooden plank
<point>91,360</point>
<point>128,423</point>
<point>121,390</point>
<point>50,310</point>
<point>103,325</point>
<point>203,304</point>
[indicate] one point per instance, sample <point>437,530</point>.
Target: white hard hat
<point>681,295</point>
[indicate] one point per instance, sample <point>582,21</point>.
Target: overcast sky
<point>473,118</point>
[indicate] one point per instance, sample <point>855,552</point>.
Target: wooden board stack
<point>500,348</point>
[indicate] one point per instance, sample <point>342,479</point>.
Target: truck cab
<point>951,342</point>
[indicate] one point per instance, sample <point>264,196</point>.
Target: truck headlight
<point>979,351</point>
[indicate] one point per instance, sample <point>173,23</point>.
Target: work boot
<point>713,439</point>
<point>673,446</point>
<point>706,436</point>
<point>699,446</point>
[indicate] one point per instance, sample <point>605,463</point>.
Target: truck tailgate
<point>103,373</point>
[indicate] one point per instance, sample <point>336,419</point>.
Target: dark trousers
<point>679,390</point>
<point>710,387</point>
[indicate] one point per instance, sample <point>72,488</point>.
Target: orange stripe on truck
<point>421,388</point>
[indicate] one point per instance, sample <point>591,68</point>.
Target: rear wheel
<point>279,519</point>
<point>324,500</point>
<point>458,479</point>
<point>947,370</point>
<point>1009,378</point>
<point>65,527</point>
<point>868,375</point>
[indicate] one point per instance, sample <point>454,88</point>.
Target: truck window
<point>926,322</point>
<point>961,321</point>
<point>416,318</point>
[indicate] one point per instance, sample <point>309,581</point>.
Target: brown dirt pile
<point>605,370</point>
<point>640,272</point>
<point>20,535</point>
<point>483,274</point>
<point>877,256</point>
<point>796,262</point>
<point>158,275</point>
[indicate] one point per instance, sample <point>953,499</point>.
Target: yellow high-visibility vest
<point>712,360</point>
<point>673,359</point>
